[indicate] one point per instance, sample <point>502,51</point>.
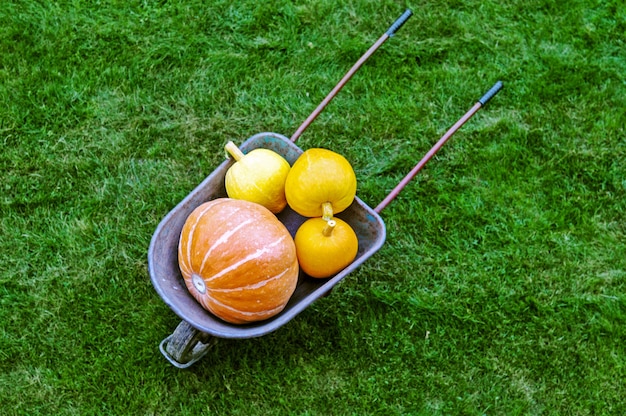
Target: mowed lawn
<point>501,287</point>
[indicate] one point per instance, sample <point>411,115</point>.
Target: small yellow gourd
<point>258,176</point>
<point>325,247</point>
<point>320,183</point>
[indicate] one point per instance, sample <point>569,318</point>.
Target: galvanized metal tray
<point>163,252</point>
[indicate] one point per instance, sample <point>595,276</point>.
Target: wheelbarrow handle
<point>398,23</point>
<point>489,95</point>
<point>482,101</point>
<point>390,32</point>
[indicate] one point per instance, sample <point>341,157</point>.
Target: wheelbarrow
<point>199,330</point>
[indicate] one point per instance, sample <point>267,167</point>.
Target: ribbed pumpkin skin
<point>238,260</point>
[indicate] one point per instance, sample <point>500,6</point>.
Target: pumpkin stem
<point>234,151</point>
<point>327,211</point>
<point>328,229</point>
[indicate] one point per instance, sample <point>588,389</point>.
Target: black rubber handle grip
<point>493,91</point>
<point>398,23</point>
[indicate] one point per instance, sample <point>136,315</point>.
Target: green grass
<point>501,288</point>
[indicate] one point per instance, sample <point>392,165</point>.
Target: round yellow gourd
<point>320,183</point>
<point>258,176</point>
<point>325,247</point>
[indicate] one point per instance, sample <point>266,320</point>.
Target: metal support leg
<point>186,345</point>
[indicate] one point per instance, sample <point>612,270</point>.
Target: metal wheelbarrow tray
<point>163,251</point>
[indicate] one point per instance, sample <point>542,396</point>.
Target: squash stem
<point>328,229</point>
<point>327,211</point>
<point>234,151</point>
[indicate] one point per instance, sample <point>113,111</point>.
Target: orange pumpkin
<point>238,260</point>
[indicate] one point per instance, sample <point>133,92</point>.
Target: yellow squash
<point>320,183</point>
<point>325,247</point>
<point>258,176</point>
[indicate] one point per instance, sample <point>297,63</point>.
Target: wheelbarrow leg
<point>186,345</point>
